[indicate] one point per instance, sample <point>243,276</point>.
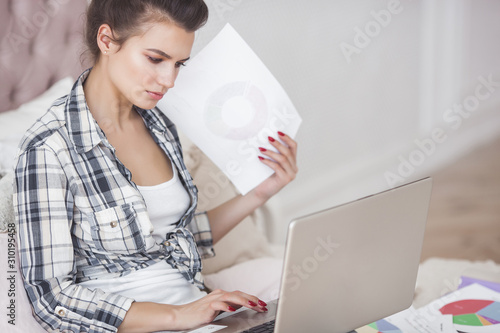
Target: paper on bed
<point>227,102</point>
<point>473,309</point>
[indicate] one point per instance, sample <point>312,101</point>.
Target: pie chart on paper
<point>237,111</point>
<point>473,315</point>
<point>380,326</point>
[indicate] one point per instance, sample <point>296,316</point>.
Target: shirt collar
<point>83,129</point>
<point>152,119</point>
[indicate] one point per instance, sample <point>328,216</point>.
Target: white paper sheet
<point>208,329</point>
<point>228,103</point>
<point>396,323</point>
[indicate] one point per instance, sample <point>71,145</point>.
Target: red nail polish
<point>271,139</point>
<point>281,134</point>
<point>252,303</point>
<point>261,158</point>
<point>265,309</point>
<point>230,308</point>
<point>262,149</point>
<point>262,303</point>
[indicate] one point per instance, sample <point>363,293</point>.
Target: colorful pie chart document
<point>228,103</point>
<point>472,309</point>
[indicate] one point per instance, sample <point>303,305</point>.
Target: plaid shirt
<point>81,217</point>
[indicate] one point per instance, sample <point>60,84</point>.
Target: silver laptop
<point>346,266</point>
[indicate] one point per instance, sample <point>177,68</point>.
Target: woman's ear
<point>104,38</point>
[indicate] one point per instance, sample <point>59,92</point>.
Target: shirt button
<point>61,312</point>
<point>113,224</point>
<point>166,243</point>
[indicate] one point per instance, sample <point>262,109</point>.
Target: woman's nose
<point>167,78</point>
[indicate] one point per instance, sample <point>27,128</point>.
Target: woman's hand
<point>204,310</point>
<point>283,162</point>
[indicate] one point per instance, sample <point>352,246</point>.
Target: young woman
<point>108,236</point>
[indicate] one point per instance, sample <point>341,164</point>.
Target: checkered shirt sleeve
<point>47,255</point>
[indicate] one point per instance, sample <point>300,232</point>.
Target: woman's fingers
<point>206,309</point>
<point>281,162</point>
<point>284,146</point>
<point>286,156</point>
<point>284,173</point>
<point>222,306</point>
<point>237,299</point>
<point>291,143</point>
<point>231,301</point>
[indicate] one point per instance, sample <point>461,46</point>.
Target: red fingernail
<point>262,303</point>
<point>281,133</point>
<point>265,309</point>
<point>230,308</point>
<point>262,149</point>
<point>252,303</point>
<point>271,139</point>
<point>261,158</point>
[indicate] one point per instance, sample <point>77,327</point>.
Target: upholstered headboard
<point>41,42</point>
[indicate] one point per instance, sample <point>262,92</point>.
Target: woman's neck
<point>107,105</point>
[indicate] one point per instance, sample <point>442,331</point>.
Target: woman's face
<point>146,66</point>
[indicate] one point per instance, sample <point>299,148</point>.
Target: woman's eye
<point>154,60</point>
<point>180,64</point>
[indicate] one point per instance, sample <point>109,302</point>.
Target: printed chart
<point>237,111</point>
<point>473,312</point>
<point>380,326</point>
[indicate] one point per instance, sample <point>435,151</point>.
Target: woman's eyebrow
<point>163,54</point>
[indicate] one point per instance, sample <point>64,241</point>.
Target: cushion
<point>246,241</point>
<point>6,208</point>
<point>14,123</point>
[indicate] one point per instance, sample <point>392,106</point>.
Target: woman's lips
<point>155,95</point>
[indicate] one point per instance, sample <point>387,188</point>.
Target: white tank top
<point>166,204</point>
<point>159,283</point>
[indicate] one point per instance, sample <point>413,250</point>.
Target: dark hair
<point>127,17</point>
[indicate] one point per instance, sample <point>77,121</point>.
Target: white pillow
<point>14,123</point>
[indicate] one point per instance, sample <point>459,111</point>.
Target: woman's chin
<point>146,105</point>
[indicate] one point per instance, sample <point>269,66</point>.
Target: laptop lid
<point>353,264</point>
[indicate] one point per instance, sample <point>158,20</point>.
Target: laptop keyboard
<point>264,328</point>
